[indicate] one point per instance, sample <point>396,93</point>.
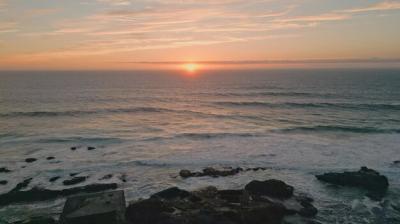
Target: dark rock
<point>232,196</point>
<point>50,158</point>
<point>53,179</point>
<point>171,193</point>
<point>364,178</point>
<point>149,211</point>
<point>38,220</point>
<point>272,188</point>
<point>96,208</point>
<point>39,194</point>
<point>106,177</point>
<point>73,174</point>
<point>30,160</point>
<point>4,170</point>
<point>73,148</point>
<point>123,178</point>
<point>267,213</point>
<point>397,162</point>
<point>22,185</point>
<point>3,182</point>
<point>185,173</point>
<point>91,148</point>
<point>75,180</point>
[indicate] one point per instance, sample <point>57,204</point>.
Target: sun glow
<point>191,67</point>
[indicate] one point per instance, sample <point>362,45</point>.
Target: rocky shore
<point>258,202</point>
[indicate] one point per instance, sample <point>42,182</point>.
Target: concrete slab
<point>96,208</point>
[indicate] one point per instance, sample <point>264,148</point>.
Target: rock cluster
<point>252,205</point>
<point>212,172</point>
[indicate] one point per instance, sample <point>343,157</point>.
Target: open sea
<point>148,125</point>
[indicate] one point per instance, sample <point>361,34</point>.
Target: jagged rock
<point>96,208</point>
<point>232,196</point>
<point>30,160</point>
<point>53,179</point>
<point>364,178</point>
<point>4,170</point>
<point>171,193</point>
<point>50,158</point>
<point>271,188</point>
<point>75,180</point>
<point>211,172</point>
<point>39,194</point>
<point>3,182</point>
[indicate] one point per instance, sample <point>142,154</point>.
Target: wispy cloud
<point>8,27</point>
<point>381,6</point>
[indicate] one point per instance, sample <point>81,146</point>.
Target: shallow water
<point>149,125</point>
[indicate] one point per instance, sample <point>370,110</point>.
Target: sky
<point>154,34</point>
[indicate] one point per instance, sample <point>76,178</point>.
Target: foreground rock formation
<point>252,205</point>
<point>365,178</point>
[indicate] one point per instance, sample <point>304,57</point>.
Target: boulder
<point>50,158</point>
<point>171,193</point>
<point>75,180</point>
<point>91,148</point>
<point>30,160</point>
<point>4,170</point>
<point>365,178</point>
<point>73,148</point>
<point>99,208</point>
<point>185,173</point>
<point>272,188</point>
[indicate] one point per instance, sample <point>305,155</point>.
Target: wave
<point>312,105</point>
<point>284,94</point>
<point>334,128</point>
<point>84,112</point>
<point>203,136</point>
<point>79,139</point>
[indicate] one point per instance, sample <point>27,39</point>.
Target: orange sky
<point>119,34</point>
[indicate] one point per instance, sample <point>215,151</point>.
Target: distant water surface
<point>146,126</point>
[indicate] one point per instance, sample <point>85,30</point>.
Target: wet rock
<point>185,173</point>
<point>171,193</point>
<point>50,158</point>
<point>397,162</point>
<point>4,170</point>
<point>232,196</point>
<point>40,194</point>
<point>37,220</point>
<point>3,182</point>
<point>96,208</point>
<point>149,211</point>
<point>106,177</point>
<point>267,213</point>
<point>73,174</point>
<point>75,180</point>
<point>22,185</point>
<point>211,172</point>
<point>73,148</point>
<point>91,148</point>
<point>30,160</point>
<point>368,179</point>
<point>54,179</point>
<point>271,188</point>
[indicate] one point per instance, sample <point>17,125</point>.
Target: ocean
<point>148,125</point>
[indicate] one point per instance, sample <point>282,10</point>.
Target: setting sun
<point>191,67</point>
